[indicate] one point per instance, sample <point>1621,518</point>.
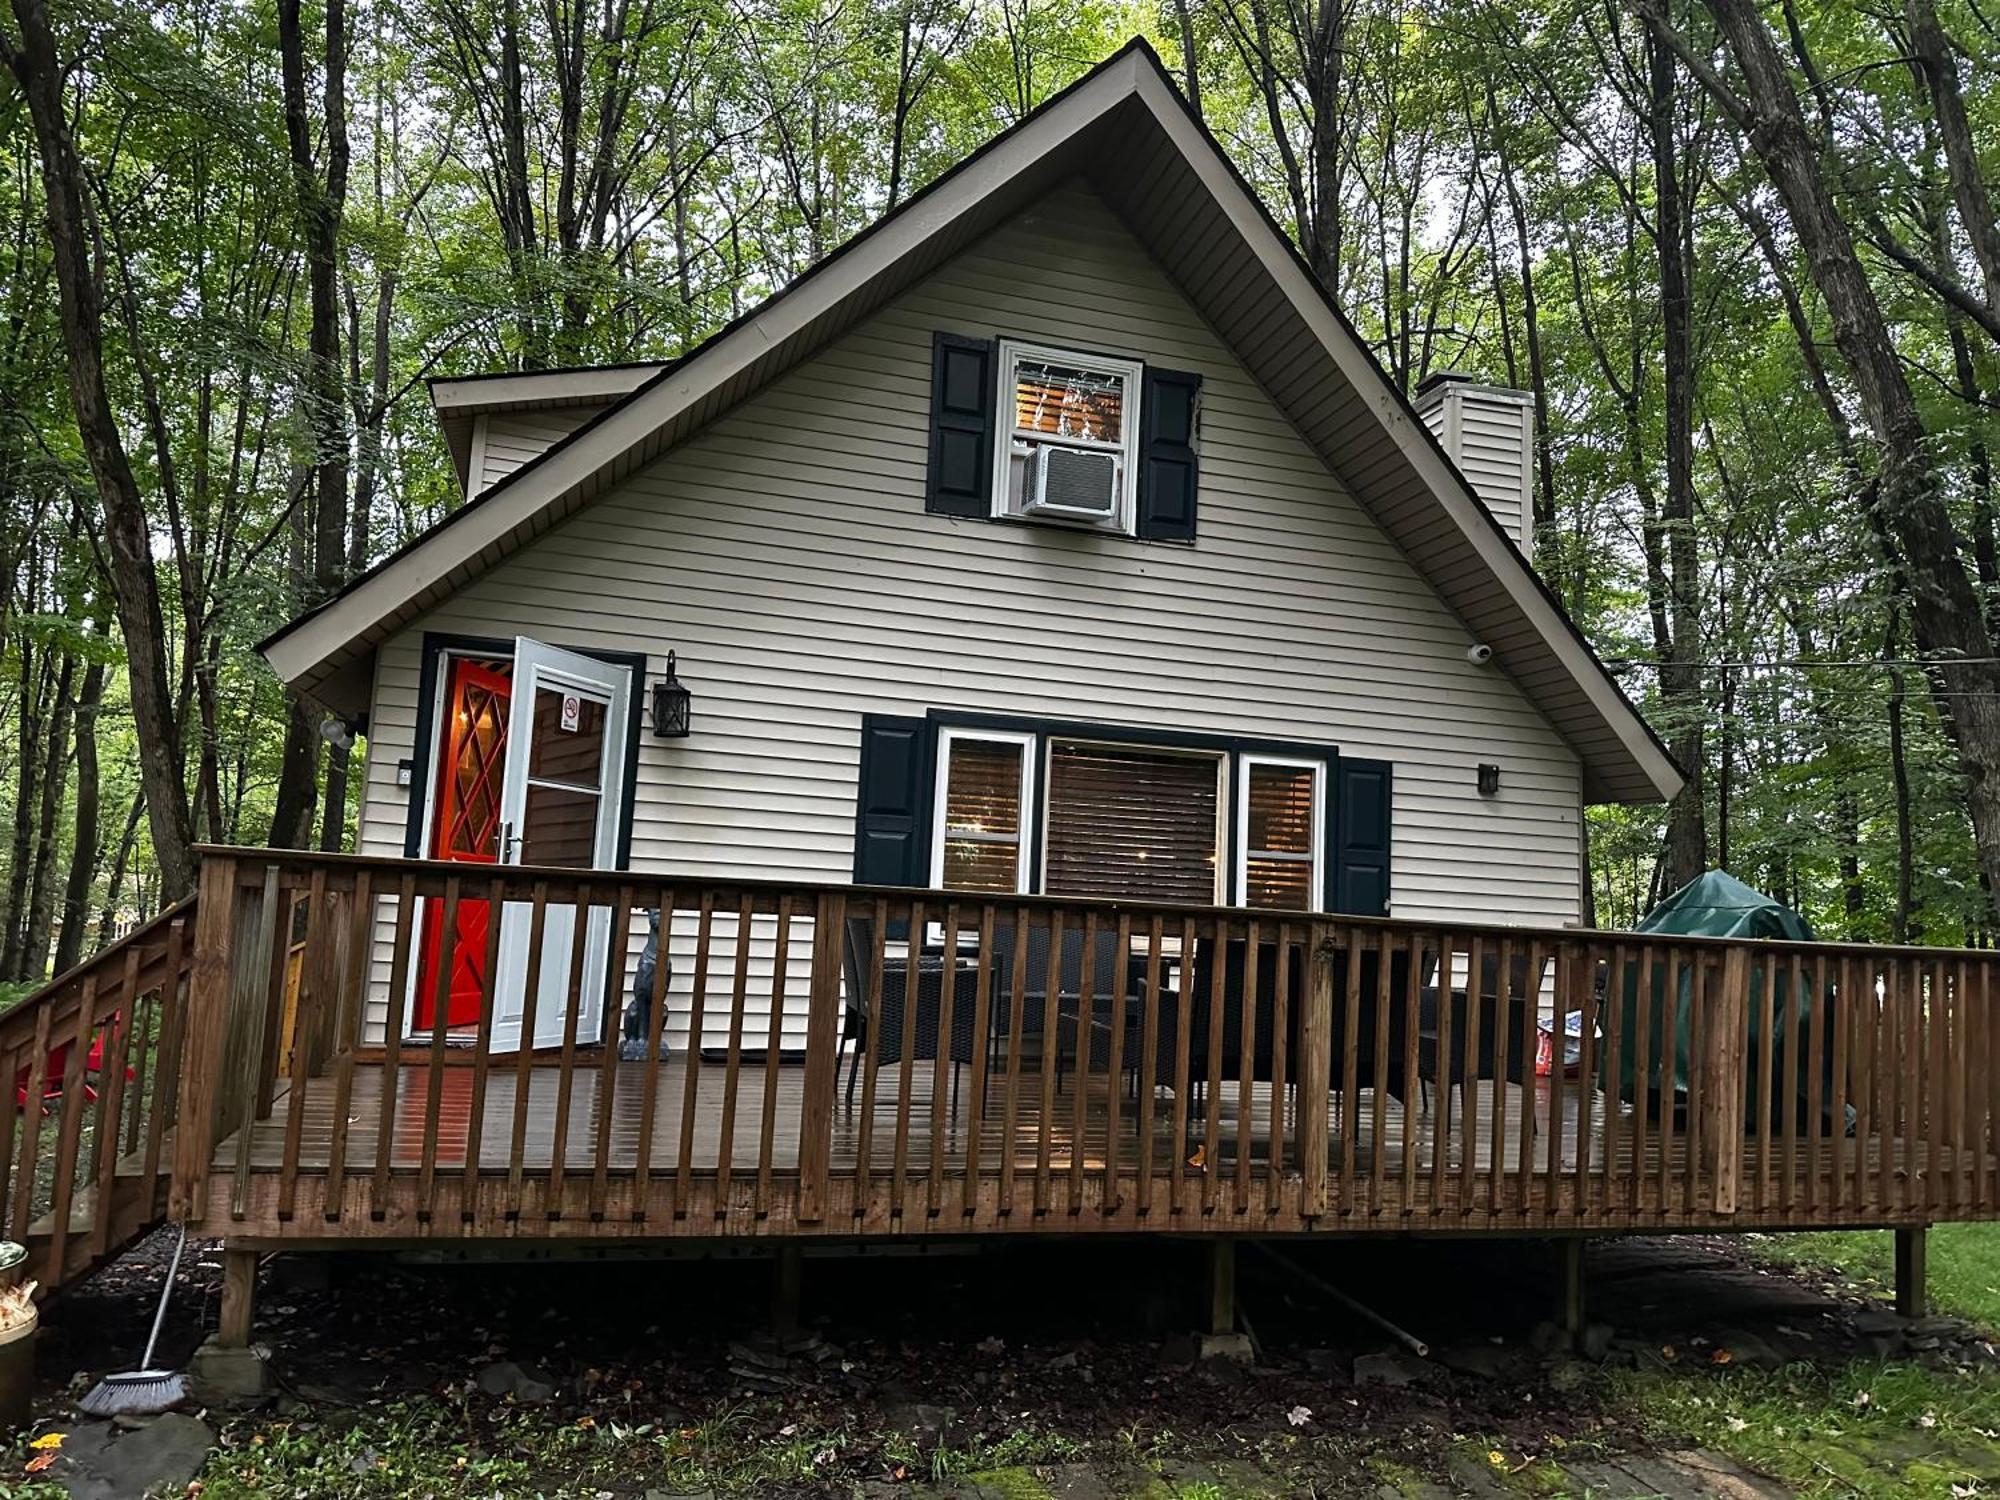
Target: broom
<point>146,1390</point>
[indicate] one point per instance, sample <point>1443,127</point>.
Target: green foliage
<point>1472,160</point>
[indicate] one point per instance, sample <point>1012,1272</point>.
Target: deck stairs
<point>86,1151</point>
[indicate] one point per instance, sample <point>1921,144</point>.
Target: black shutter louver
<point>892,824</point>
<point>1169,419</point>
<point>1362,813</point>
<point>960,481</point>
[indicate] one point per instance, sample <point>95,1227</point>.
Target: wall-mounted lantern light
<point>672,706</point>
<point>1489,779</point>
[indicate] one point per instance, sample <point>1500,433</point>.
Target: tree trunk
<point>127,538</point>
<point>86,841</point>
<point>1949,626</point>
<point>34,957</point>
<point>1680,671</point>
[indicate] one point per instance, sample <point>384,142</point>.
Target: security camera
<point>1479,654</point>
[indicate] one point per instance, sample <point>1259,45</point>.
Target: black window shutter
<point>1169,418</point>
<point>1362,807</point>
<point>962,416</point>
<point>892,819</point>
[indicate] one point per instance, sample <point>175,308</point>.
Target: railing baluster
<point>1699,1027</point>
<point>906,1058</point>
<point>70,1127</point>
<point>1080,1072</point>
<point>982,1027</point>
<point>870,1058</point>
<point>1644,1083</point>
<point>944,1060</point>
<point>774,1041</point>
<point>115,1035</point>
<point>1406,1067</point>
<point>392,1044</point>
<point>607,1074</point>
<point>1469,1080</point>
<point>1149,1064</point>
<point>1274,1156</point>
<point>1816,1070</point>
<point>1017,1006</point>
<point>732,1067</point>
<point>319,928</point>
<point>1246,1058</point>
<point>1114,1075</point>
<point>1177,1146</point>
<point>353,1006</point>
<point>1583,994</point>
<point>579,939</point>
<point>1350,1071</point>
<point>1914,1190</point>
<point>1531,1010</point>
<point>524,1046</point>
<point>1218,1022</point>
<point>1441,1078</point>
<point>472,1190</point>
<point>446,958</point>
<point>1051,1061</point>
<point>691,1067</point>
<point>656,1022</point>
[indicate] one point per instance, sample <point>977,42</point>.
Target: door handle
<point>507,843</point>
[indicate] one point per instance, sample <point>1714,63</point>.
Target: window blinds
<point>1137,824</point>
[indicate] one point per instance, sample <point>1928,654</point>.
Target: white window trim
<point>1317,853</point>
<point>1023,854</point>
<point>1011,353</point>
<point>1224,769</point>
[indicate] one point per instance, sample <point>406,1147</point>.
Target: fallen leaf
<point>42,1461</point>
<point>1298,1416</point>
<point>49,1440</point>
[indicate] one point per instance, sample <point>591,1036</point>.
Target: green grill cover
<point>1717,904</point>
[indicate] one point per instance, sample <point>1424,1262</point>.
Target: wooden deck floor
<point>931,1106</point>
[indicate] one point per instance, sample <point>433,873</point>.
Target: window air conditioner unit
<point>1073,483</point>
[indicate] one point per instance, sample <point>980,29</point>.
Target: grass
<point>1869,1428</point>
<point>1964,1264</point>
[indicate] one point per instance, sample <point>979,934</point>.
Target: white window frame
<point>1023,854</point>
<point>1224,770</point>
<point>1132,372</point>
<point>1316,854</point>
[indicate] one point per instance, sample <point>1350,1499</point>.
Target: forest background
<point>1744,255</point>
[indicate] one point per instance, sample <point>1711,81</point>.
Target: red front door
<point>465,825</point>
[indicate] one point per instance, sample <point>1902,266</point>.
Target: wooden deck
<point>219,1068</point>
<point>1598,1163</point>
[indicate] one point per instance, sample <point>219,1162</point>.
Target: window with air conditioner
<point>1069,426</point>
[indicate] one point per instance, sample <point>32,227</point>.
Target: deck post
<point>1221,1287</point>
<point>1570,1308</point>
<point>239,1298</point>
<point>822,1055</point>
<point>1315,1072</point>
<point>787,1288</point>
<point>1721,1124</point>
<point>201,1052</point>
<point>1910,1272</point>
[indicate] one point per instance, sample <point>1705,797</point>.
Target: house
<point>1062,501</point>
<point>1099,758</point>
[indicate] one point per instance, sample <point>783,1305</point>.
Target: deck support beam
<point>239,1299</point>
<point>1910,1272</point>
<point>1570,1305</point>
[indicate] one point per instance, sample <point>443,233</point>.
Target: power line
<point>1875,663</point>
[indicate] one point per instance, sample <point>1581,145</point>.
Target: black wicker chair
<point>885,1036</point>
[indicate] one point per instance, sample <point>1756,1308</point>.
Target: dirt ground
<point>1059,1367</point>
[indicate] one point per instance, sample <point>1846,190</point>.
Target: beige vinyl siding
<point>503,441</point>
<point>1486,433</point>
<point>785,554</point>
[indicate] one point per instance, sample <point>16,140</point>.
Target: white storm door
<point>560,805</point>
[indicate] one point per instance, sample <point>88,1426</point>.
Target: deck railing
<point>93,1062</point>
<point>855,1061</point>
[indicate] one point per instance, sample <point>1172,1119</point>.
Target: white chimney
<point>1489,432</point>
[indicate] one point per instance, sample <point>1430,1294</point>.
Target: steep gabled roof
<point>1126,130</point>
